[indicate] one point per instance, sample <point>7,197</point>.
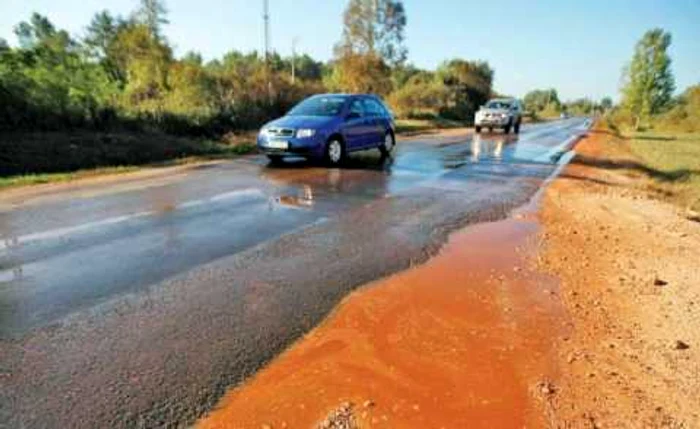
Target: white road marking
<point>9,242</point>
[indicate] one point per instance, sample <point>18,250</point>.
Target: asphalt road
<point>138,304</point>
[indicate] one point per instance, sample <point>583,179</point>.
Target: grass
<point>37,179</point>
<point>44,157</point>
<point>674,159</point>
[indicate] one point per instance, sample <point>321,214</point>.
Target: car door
<point>515,110</point>
<point>357,127</point>
<point>377,128</point>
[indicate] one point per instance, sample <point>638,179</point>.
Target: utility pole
<point>266,21</point>
<point>294,60</point>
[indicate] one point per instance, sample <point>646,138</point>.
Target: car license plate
<point>278,144</point>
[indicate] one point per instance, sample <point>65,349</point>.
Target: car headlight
<point>264,132</point>
<point>305,133</point>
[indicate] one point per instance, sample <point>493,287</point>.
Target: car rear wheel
<point>335,152</point>
<point>516,128</point>
<point>388,144</point>
<point>477,129</point>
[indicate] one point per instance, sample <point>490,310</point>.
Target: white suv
<point>503,113</point>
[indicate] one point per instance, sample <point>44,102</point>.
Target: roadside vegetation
<point>661,131</point>
<point>542,104</point>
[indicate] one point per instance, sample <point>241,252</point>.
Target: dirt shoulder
<point>628,266</point>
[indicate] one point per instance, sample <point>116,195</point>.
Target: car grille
<point>280,132</point>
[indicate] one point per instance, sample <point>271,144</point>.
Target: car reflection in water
<point>491,148</point>
<point>304,198</point>
<point>305,185</point>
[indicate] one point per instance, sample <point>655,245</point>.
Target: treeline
<point>545,103</point>
<point>122,75</point>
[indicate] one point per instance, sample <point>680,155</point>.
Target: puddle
<point>461,341</point>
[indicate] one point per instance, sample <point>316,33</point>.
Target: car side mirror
<point>352,115</point>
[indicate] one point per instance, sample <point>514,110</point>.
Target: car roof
<point>343,95</point>
<point>333,95</point>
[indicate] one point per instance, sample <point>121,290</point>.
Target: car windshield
<point>318,106</point>
<point>498,105</point>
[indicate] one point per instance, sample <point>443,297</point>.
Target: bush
<point>419,100</point>
<point>685,115</point>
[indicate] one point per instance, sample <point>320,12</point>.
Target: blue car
<point>328,127</point>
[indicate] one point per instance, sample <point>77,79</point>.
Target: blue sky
<point>578,47</point>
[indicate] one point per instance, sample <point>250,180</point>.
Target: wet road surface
<point>139,305</point>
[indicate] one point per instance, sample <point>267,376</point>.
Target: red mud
<point>464,340</point>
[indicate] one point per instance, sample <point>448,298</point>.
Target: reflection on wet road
<point>187,259</point>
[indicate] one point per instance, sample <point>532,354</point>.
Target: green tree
<point>375,27</point>
<point>691,98</point>
<point>49,80</point>
<point>40,35</point>
<point>606,104</point>
<point>193,58</point>
<point>648,80</point>
<point>685,114</point>
<point>189,89</point>
<point>360,73</point>
<point>308,69</point>
<point>423,95</point>
<point>37,31</point>
<point>470,85</point>
<point>540,99</point>
<point>153,14</point>
<point>146,61</point>
<point>581,106</point>
<point>400,75</point>
<point>101,34</point>
<point>100,43</point>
